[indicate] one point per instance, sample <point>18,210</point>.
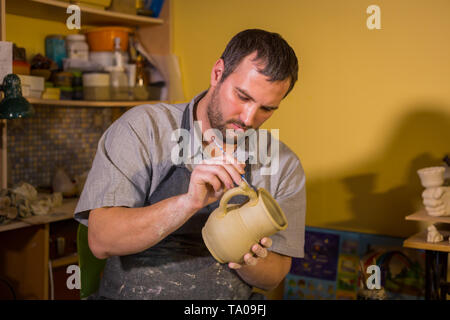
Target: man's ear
<point>217,72</point>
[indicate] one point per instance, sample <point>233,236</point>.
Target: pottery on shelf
<point>433,235</point>
<point>437,201</point>
<point>231,230</point>
<point>431,177</point>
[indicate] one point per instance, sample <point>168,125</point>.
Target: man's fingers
<point>206,172</point>
<point>250,259</point>
<point>225,159</point>
<point>235,174</point>
<point>222,174</point>
<point>216,183</point>
<point>259,251</point>
<point>229,159</point>
<point>266,242</point>
<point>234,265</point>
<point>211,179</point>
<point>228,173</point>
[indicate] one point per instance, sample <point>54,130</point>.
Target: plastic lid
<point>108,28</point>
<point>96,79</point>
<point>114,69</point>
<point>76,37</point>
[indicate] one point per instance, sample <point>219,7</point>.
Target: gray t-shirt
<point>135,154</point>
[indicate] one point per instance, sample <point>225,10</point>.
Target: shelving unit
<point>24,251</point>
<point>63,212</point>
<point>156,40</point>
<point>25,245</point>
<point>155,34</point>
<point>89,104</point>
<point>65,261</point>
<point>56,11</point>
<point>422,215</point>
<point>436,285</point>
<point>419,240</point>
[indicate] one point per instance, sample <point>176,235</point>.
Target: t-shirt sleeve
<point>291,196</point>
<point>120,173</point>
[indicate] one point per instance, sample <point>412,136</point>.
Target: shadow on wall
<point>422,139</point>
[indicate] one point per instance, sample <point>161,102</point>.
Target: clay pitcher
<point>231,230</point>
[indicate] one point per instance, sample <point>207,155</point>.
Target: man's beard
<point>217,122</point>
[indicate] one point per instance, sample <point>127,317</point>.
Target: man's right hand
<point>211,178</point>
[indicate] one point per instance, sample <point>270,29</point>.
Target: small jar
<point>55,49</point>
<point>119,83</point>
<point>96,86</point>
<point>77,47</point>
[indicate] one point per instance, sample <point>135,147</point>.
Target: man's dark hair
<point>278,58</point>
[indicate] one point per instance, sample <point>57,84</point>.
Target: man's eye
<point>243,98</point>
<point>267,109</point>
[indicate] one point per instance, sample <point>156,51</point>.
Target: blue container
<point>55,49</point>
<point>155,6</point>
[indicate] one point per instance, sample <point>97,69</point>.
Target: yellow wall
<point>30,33</point>
<point>371,106</point>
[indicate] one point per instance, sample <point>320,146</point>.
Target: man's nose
<point>248,115</point>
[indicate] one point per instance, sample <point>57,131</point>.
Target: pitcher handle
<point>242,189</point>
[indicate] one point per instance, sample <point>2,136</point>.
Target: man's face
<point>245,99</point>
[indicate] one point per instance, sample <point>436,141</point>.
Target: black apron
<point>180,266</point>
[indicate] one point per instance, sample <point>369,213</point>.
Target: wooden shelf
<point>56,11</point>
<point>65,261</point>
<point>29,239</point>
<point>422,215</point>
<point>419,241</point>
<point>85,103</point>
<point>63,212</point>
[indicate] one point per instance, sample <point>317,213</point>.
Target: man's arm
<point>118,231</point>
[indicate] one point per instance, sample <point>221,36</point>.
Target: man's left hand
<point>259,251</point>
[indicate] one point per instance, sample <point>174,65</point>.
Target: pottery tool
<point>223,151</point>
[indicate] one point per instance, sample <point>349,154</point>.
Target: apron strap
<point>185,122</point>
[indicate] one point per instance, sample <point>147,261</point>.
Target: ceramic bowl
<point>431,177</point>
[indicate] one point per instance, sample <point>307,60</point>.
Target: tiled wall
<point>55,137</point>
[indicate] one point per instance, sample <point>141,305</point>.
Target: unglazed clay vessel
<point>431,177</point>
<point>433,235</point>
<point>231,230</point>
<point>437,201</point>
